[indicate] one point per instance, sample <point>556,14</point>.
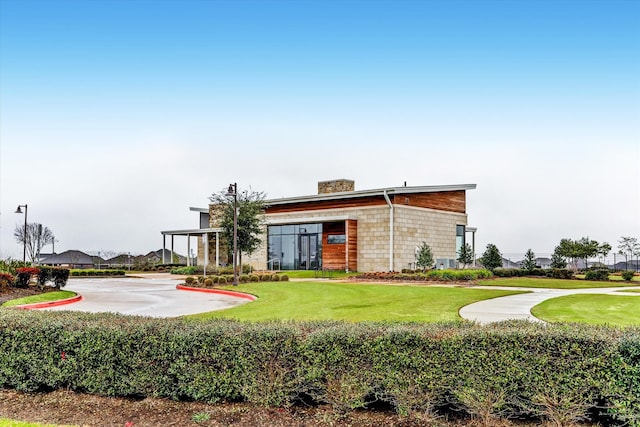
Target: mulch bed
<point>10,293</point>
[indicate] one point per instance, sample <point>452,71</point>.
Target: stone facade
<point>412,226</point>
<point>416,225</point>
<point>336,186</point>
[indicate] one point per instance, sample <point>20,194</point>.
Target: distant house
<point>71,259</point>
<point>507,263</point>
<point>543,262</point>
<point>156,257</point>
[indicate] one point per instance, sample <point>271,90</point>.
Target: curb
<point>49,303</point>
<point>218,291</point>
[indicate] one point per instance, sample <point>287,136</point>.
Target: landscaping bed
<point>69,408</point>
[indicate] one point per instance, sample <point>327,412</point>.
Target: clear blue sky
<point>116,116</point>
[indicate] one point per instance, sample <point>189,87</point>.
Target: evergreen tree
<point>529,262</point>
<point>424,258</point>
<point>557,260</point>
<point>465,256</point>
<point>491,258</point>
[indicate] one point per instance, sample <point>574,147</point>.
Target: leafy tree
<point>465,256</point>
<point>36,236</point>
<point>424,257</point>
<point>628,246</point>
<point>529,262</point>
<point>250,220</point>
<point>491,258</point>
<point>557,260</point>
<point>587,249</point>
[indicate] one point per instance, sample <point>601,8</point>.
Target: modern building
<point>344,229</point>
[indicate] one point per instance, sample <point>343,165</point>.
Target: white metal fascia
<point>195,209</point>
<point>306,219</point>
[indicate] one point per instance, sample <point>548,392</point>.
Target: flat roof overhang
<point>368,193</point>
<point>194,231</point>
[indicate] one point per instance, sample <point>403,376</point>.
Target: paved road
<point>519,306</point>
<point>154,297</point>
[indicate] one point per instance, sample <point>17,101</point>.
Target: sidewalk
<point>519,306</point>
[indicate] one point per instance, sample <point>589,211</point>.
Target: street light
<point>233,191</point>
<point>24,238</point>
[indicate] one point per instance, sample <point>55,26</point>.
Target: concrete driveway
<point>519,306</point>
<point>154,297</point>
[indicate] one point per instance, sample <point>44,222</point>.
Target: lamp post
<point>233,191</point>
<point>24,238</point>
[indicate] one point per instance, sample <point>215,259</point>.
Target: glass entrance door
<point>308,254</point>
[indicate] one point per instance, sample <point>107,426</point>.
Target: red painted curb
<point>49,303</point>
<point>218,291</point>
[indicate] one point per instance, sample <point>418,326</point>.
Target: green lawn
<point>46,297</point>
<point>614,278</point>
<point>352,302</point>
<point>535,282</point>
<point>591,309</point>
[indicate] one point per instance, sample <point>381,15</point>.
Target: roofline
<point>369,193</point>
<point>196,209</point>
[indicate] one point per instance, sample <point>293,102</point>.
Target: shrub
<point>275,277</point>
<point>560,273</point>
<point>254,278</point>
<point>208,282</point>
<point>189,280</point>
<point>597,275</point>
<point>222,280</point>
<point>6,280</point>
<point>284,278</point>
<point>243,278</point>
<point>23,276</point>
<point>44,276</point>
<point>201,279</point>
<point>183,270</point>
<point>60,276</point>
<point>627,275</point>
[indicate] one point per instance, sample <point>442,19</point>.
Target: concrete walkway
<point>150,296</point>
<point>519,306</point>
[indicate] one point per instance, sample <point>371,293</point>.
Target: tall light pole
<point>24,237</point>
<point>233,191</point>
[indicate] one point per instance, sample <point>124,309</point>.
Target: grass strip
<point>592,309</point>
<point>535,282</point>
<point>46,297</point>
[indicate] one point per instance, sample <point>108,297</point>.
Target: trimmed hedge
<point>96,272</point>
<point>431,275</point>
<point>555,273</point>
<point>512,369</point>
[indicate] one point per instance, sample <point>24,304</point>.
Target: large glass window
<point>459,238</point>
<point>294,247</point>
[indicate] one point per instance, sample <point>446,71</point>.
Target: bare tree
<point>35,236</point>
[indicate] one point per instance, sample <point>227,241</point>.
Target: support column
<point>217,249</point>
<point>206,253</point>
<point>171,249</point>
<point>164,247</point>
<point>188,250</point>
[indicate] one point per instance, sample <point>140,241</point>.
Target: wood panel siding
<point>333,255</point>
<point>450,201</point>
<point>327,204</point>
<point>352,244</point>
